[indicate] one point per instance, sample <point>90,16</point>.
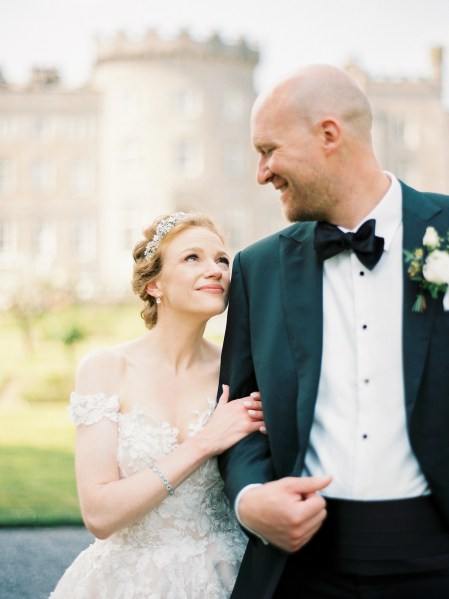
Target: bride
<point>148,431</point>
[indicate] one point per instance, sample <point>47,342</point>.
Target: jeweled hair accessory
<point>162,229</point>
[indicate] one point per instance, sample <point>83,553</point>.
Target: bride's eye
<point>191,258</point>
<point>224,260</point>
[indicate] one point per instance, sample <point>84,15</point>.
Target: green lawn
<point>37,479</point>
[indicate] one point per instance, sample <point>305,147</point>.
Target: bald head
<point>312,131</point>
<point>317,92</point>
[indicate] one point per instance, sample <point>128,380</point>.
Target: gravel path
<point>32,560</point>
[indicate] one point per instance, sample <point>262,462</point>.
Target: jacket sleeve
<point>249,460</point>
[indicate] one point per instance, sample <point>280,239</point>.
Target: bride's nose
<point>213,270</point>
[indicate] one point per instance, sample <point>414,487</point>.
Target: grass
<point>37,478</point>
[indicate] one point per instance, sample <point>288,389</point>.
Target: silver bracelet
<point>170,489</point>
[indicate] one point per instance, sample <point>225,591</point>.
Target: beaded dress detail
<point>189,547</point>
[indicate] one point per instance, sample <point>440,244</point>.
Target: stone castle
<point>163,125</point>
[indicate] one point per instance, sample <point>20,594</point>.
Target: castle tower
<point>174,135</point>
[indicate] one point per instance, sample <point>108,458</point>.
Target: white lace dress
<point>189,547</point>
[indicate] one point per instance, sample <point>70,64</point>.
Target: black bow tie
<point>330,241</point>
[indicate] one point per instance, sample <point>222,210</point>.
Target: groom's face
<point>291,159</point>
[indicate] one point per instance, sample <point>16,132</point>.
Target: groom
<point>348,496</point>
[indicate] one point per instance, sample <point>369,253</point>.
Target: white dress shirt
<point>359,433</point>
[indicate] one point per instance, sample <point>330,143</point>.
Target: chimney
<point>437,64</point>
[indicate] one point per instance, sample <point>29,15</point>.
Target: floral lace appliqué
<point>90,409</point>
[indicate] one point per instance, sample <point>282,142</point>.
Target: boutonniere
<point>429,266</point>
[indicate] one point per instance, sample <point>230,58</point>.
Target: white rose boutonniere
<point>431,239</point>
<point>429,266</point>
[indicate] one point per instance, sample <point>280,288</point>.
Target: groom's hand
<point>287,512</point>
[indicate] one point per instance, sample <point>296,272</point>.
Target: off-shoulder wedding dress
<point>189,547</point>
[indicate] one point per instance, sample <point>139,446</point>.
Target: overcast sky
<point>387,37</point>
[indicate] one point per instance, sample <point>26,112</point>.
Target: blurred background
<point>112,113</point>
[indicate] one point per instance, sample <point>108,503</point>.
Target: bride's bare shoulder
<point>101,370</point>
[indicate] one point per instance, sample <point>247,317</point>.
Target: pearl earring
<point>158,298</point>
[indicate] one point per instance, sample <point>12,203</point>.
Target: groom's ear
<point>330,133</point>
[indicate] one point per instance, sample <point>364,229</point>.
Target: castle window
<point>397,127</point>
<point>81,128</point>
<point>234,159</point>
<point>233,106</point>
<point>7,178</point>
<point>45,241</point>
<point>131,222</point>
<point>42,174</point>
<point>189,158</point>
<point>130,156</point>
<point>42,128</point>
<point>81,178</point>
<point>8,239</point>
<point>237,224</point>
<point>188,103</point>
<point>84,241</point>
<point>8,128</point>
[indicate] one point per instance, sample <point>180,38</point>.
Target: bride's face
<point>195,274</point>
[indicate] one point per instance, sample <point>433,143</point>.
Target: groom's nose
<point>263,175</point>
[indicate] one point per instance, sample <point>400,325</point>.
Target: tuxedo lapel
<point>417,327</point>
<point>302,292</point>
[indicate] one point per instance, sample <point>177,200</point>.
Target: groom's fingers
<point>304,485</point>
<point>287,512</point>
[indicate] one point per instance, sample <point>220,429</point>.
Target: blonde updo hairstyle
<point>147,269</point>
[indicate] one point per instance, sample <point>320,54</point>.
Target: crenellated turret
<point>183,45</point>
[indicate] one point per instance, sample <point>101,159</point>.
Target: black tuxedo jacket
<point>273,344</point>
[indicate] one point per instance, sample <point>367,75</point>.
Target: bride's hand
<point>233,420</point>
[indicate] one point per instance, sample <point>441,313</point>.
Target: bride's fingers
<point>255,412</point>
<point>254,406</point>
<point>256,415</point>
